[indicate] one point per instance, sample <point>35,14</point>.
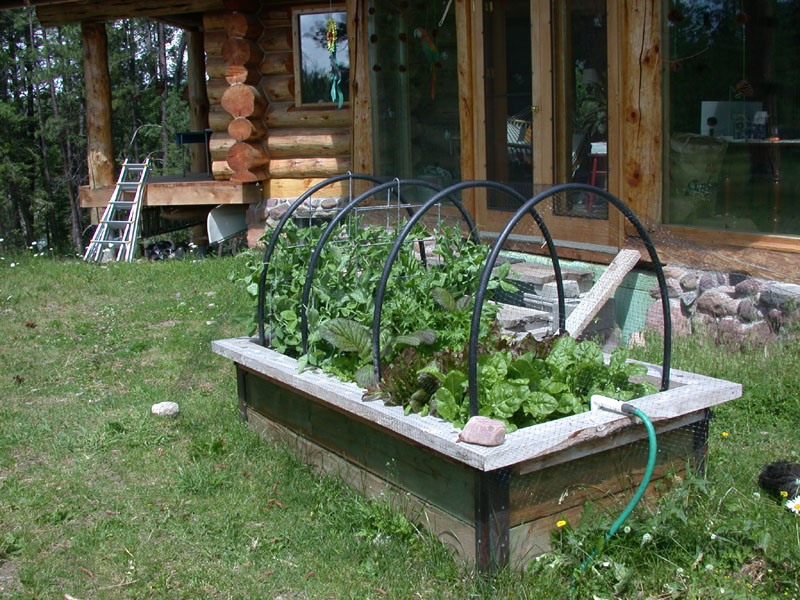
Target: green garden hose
<point>627,409</point>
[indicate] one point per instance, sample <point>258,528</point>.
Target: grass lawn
<point>99,499</point>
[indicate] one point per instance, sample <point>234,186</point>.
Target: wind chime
<point>337,96</point>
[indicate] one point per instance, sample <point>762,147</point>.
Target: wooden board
<point>309,167</point>
<point>282,115</point>
<point>210,192</point>
<point>292,188</point>
<point>53,15</point>
<point>454,533</point>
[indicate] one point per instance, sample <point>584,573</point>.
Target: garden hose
<point>600,402</point>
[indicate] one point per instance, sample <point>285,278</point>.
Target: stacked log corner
<point>258,135</point>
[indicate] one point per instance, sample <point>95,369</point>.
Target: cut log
<point>247,156</point>
<point>214,20</point>
<point>241,25</point>
<point>242,74</point>
<point>596,297</point>
<point>309,167</point>
<point>276,63</point>
<point>292,188</point>
<point>275,39</point>
<point>278,88</point>
<point>215,67</point>
<point>219,144</point>
<point>247,130</point>
<point>213,41</point>
<point>216,88</point>
<point>242,100</point>
<point>286,114</point>
<point>278,15</point>
<point>218,118</point>
<point>221,170</point>
<point>238,51</point>
<point>308,142</point>
<point>250,176</point>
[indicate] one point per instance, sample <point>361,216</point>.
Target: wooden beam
<point>308,142</point>
<point>640,117</point>
<point>111,10</point>
<point>97,82</point>
<point>200,193</point>
<point>361,104</point>
<point>198,98</point>
<point>309,167</point>
<point>285,114</point>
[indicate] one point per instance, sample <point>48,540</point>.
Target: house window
<point>321,57</point>
<point>732,115</point>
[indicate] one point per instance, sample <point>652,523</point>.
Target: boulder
<point>748,288</point>
<point>716,304</point>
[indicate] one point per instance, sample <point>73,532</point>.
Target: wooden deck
<point>176,190</point>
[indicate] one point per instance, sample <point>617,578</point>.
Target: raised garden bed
<point>494,506</point>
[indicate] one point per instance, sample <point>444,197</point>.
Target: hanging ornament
<point>431,54</point>
<point>336,76</point>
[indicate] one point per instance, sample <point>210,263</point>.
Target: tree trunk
<point>99,143</point>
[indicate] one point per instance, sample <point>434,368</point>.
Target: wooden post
<point>198,98</point>
<point>99,143</point>
<point>492,501</point>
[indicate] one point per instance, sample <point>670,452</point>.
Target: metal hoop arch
<point>379,295</point>
<point>490,261</point>
<point>277,231</point>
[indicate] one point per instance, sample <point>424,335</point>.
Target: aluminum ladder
<point>116,234</point>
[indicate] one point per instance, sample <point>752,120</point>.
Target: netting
<point>438,320</point>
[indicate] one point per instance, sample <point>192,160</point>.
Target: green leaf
<point>347,335</point>
<point>588,352</point>
<point>444,299</point>
<point>365,376</point>
<point>540,404</point>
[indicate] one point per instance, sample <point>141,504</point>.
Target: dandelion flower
<point>560,523</point>
<point>725,434</point>
<point>794,505</point>
<point>784,493</point>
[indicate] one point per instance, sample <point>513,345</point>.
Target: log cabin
<point>686,112</point>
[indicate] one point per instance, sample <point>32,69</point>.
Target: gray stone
<point>483,431</point>
<point>722,279</point>
<point>747,311</point>
<point>716,304</point>
<point>707,282</point>
<point>655,318</point>
<point>674,272</point>
<point>674,289</point>
<point>742,332</point>
<point>571,290</point>
<point>689,282</point>
<point>278,211</point>
<point>165,409</point>
<point>785,296</point>
<point>329,203</point>
<point>687,301</point>
<point>726,289</point>
<point>749,287</point>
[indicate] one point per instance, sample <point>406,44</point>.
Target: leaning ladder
<point>115,237</point>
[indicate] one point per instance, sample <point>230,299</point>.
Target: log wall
<point>259,135</point>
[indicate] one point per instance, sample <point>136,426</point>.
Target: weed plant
<point>99,499</point>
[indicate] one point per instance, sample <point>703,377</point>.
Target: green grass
<point>98,499</point>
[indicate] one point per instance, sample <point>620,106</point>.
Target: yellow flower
<point>784,494</point>
<point>561,523</point>
<point>725,434</point>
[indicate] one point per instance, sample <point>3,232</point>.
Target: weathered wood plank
<point>452,532</point>
<point>53,15</point>
<point>605,287</point>
<point>203,193</point>
<point>689,393</point>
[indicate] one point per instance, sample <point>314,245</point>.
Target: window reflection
<point>731,82</point>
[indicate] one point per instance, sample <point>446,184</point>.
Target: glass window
<point>414,84</point>
<point>322,60</point>
<point>732,116</point>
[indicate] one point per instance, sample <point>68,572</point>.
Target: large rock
<point>674,289</point>
<point>689,282</point>
<point>748,288</point>
<point>747,311</point>
<point>483,431</point>
<point>785,296</point>
<point>717,304</point>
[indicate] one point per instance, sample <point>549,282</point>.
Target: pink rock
<point>483,431</point>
